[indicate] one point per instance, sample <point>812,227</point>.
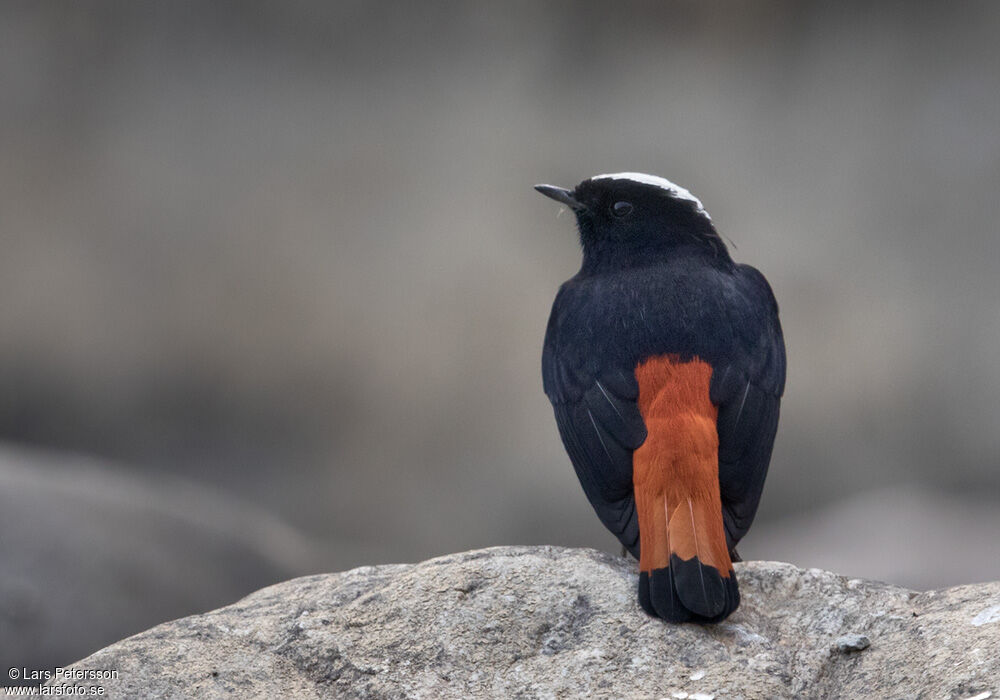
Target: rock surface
<point>553,622</point>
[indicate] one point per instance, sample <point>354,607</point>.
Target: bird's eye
<point>621,209</point>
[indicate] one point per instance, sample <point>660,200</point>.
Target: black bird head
<point>634,219</point>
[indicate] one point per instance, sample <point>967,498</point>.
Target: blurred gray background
<point>275,271</point>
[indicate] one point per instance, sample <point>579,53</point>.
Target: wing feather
<point>600,425</point>
<point>748,391</point>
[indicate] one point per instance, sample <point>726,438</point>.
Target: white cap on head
<point>656,181</point>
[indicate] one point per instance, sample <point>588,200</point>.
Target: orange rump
<point>684,559</point>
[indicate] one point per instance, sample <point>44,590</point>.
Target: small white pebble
<point>697,675</point>
<point>981,696</point>
<point>680,695</point>
<point>701,696</point>
<point>987,616</point>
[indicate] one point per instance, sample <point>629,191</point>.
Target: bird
<point>664,361</point>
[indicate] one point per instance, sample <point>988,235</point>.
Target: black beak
<point>560,195</point>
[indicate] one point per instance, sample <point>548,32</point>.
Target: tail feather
<point>699,579</point>
<point>686,573</point>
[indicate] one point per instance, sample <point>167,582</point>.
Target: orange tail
<point>685,569</point>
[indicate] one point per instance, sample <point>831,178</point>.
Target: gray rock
<point>852,642</point>
<point>553,622</point>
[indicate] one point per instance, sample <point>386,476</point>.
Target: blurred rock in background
<point>92,554</point>
<point>290,251</point>
<point>915,537</point>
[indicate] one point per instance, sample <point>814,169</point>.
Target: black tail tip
<point>688,591</point>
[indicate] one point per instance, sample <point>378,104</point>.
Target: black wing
<point>747,389</point>
<point>600,425</point>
